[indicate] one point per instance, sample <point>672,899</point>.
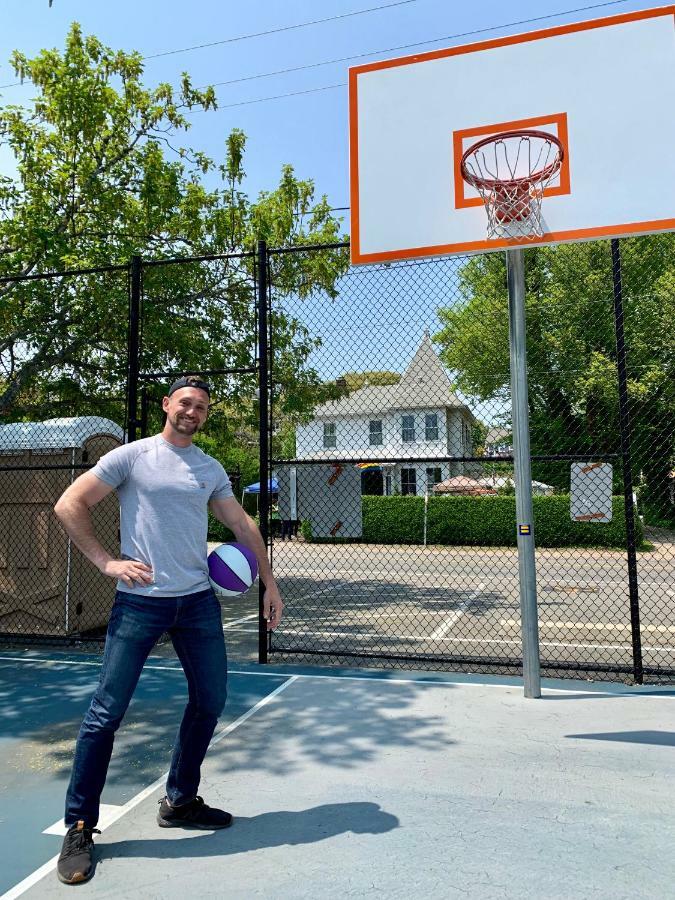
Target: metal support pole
<point>523,473</point>
<point>263,390</point>
<point>133,348</point>
<point>624,428</point>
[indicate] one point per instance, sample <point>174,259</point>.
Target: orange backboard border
<point>620,230</point>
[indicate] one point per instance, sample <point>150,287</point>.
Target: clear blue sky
<point>308,130</point>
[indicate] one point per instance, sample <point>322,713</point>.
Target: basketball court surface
<point>347,783</point>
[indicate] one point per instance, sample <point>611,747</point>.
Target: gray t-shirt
<point>164,493</point>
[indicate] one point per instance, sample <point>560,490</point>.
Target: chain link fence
<point>395,490</point>
<point>53,428</point>
<point>385,461</point>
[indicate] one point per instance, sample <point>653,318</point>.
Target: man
<point>165,484</point>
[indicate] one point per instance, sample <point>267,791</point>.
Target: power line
<point>330,87</point>
<point>448,37</point>
<point>247,37</point>
<point>256,34</point>
<point>316,90</point>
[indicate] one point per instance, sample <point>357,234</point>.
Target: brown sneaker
<point>75,864</point>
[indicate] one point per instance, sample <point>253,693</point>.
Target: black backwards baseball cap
<point>193,381</point>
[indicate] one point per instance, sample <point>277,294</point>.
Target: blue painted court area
<point>41,706</point>
<point>356,784</point>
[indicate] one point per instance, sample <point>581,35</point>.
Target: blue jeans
<point>136,623</point>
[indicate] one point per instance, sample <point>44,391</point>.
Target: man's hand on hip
<point>130,571</point>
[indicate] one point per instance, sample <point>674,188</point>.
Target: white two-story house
<point>419,419</point>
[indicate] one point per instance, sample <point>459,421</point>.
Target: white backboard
<point>605,87</point>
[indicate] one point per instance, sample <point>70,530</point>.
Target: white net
<point>511,171</point>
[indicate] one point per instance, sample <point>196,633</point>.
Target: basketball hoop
<point>511,171</point>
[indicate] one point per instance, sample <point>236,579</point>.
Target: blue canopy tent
<point>255,489</point>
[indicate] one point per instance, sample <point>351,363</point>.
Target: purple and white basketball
<point>232,569</point>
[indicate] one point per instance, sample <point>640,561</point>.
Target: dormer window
<point>431,427</point>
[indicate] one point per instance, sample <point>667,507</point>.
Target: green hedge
<point>484,521</point>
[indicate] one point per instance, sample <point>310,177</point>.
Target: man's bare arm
<point>72,510</point>
<point>231,513</point>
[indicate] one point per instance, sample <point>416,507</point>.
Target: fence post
<point>263,391</point>
<point>133,346</point>
<point>625,432</point>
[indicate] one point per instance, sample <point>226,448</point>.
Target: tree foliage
<point>571,349</point>
<point>101,175</point>
<point>355,380</point>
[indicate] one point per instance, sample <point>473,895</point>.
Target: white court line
<point>461,640</point>
<point>238,621</point>
<point>241,629</point>
<point>105,816</point>
<point>370,636</point>
<point>594,626</point>
<point>443,629</point>
<point>377,676</point>
<point>49,866</point>
<point>334,610</point>
<point>630,690</point>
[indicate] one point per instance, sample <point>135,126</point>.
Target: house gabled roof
<point>423,385</point>
<point>497,435</point>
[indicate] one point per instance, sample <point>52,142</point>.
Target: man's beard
<point>182,425</point>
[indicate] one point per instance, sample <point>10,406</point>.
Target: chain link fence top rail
<point>394,525</point>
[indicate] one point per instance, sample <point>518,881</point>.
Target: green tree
<point>101,175</point>
<point>571,350</point>
<point>356,380</point>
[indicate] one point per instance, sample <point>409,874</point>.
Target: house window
<point>408,428</point>
<point>329,436</point>
<point>431,427</point>
<point>433,477</point>
<point>375,428</point>
<point>408,481</point>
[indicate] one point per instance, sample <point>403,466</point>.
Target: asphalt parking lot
<point>462,602</point>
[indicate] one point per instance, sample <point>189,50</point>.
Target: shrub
<point>487,521</point>
<point>221,533</point>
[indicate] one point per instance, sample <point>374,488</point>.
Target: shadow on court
<point>44,707</point>
<point>365,784</point>
<point>274,829</point>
